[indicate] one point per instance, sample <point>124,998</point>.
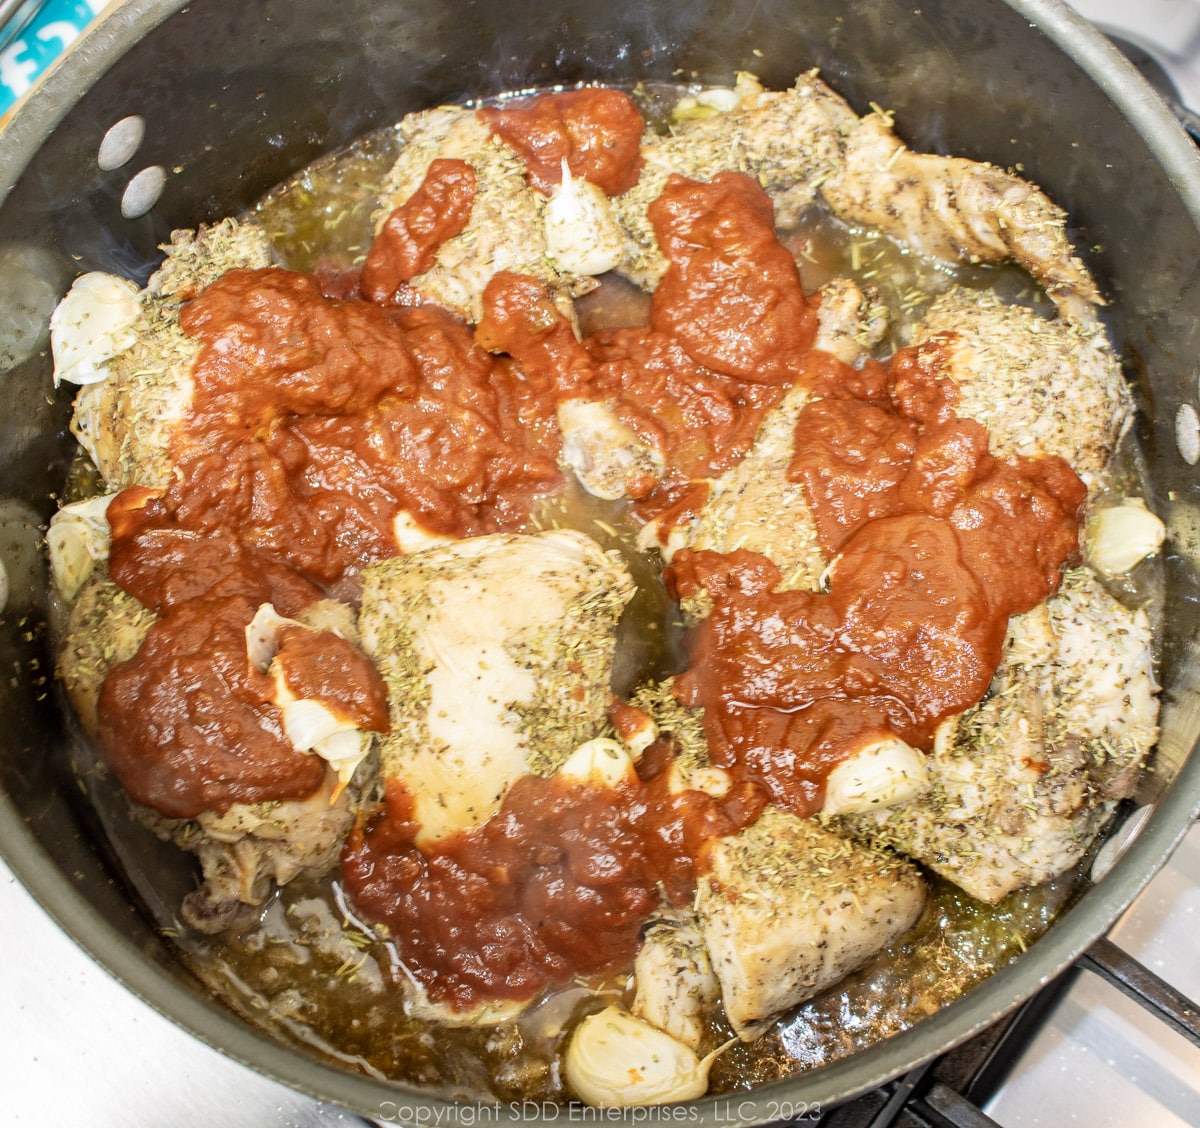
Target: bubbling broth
<point>309,968</point>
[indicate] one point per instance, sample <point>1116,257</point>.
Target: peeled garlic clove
<point>78,539</point>
<point>881,774</point>
<point>582,234</point>
<point>616,1060</point>
<point>711,780</point>
<point>312,728</point>
<point>309,725</point>
<point>1120,536</point>
<point>94,321</point>
<point>706,104</point>
<point>602,762</point>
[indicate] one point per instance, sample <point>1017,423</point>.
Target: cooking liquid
<point>308,970</point>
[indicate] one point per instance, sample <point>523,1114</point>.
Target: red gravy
<point>319,416</point>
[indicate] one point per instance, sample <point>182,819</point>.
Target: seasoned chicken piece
<point>676,987</point>
<point>609,460</point>
<point>1022,783</point>
<point>851,320</point>
<point>788,140</point>
<point>125,421</point>
<point>252,845</point>
<point>754,506</point>
<point>104,626</point>
<point>787,908</point>
<point>806,145</point>
<point>497,653</point>
<point>507,229</point>
<point>1040,386</point>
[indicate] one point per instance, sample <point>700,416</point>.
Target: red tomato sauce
<point>555,885</point>
<point>409,240</point>
<point>598,132</point>
<point>937,543</point>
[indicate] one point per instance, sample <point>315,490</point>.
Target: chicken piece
<point>851,320</point>
<point>787,908</point>
<point>497,653</point>
<point>125,421</point>
<point>807,145</point>
<point>754,506</point>
<point>250,848</point>
<point>104,626</point>
<point>507,226</point>
<point>1022,783</point>
<point>609,460</point>
<point>1041,386</point>
<point>789,141</point>
<point>676,987</point>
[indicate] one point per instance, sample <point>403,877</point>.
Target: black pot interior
<point>237,95</point>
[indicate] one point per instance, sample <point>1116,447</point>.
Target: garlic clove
<point>707,103</point>
<point>602,762</point>
<point>1118,537</point>
<point>711,780</point>
<point>309,725</point>
<point>616,1060</point>
<point>582,234</point>
<point>94,321</point>
<point>412,537</point>
<point>881,774</point>
<point>78,539</point>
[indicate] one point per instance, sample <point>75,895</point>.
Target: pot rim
<point>28,127</point>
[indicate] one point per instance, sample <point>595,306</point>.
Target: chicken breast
<point>125,422</point>
<point>508,221</point>
<point>1041,386</point>
<point>788,908</point>
<point>252,847</point>
<point>1022,783</point>
<point>497,653</point>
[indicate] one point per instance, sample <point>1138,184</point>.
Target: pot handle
<point>1155,73</point>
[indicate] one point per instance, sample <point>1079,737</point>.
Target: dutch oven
<point>235,96</point>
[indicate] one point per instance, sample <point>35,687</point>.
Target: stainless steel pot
<point>235,95</point>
